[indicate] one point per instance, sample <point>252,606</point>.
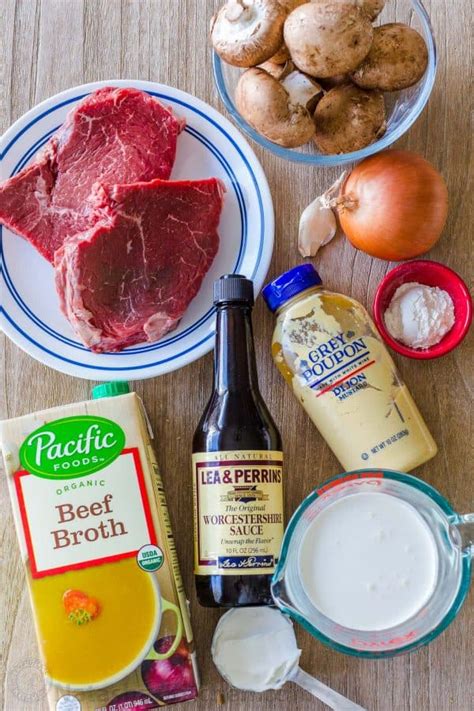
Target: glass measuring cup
<point>453,535</point>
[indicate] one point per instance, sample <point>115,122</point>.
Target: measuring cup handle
<point>166,605</point>
<point>465,528</point>
<point>322,692</point>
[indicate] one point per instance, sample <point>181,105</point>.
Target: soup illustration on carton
<point>109,606</point>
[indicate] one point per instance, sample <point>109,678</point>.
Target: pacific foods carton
<point>109,607</point>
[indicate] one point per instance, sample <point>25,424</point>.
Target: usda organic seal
<point>150,558</point>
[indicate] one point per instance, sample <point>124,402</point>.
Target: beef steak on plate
<point>113,136</point>
<point>131,277</point>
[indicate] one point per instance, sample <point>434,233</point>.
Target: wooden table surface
<point>50,45</point>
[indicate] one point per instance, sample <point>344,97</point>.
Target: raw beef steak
<point>112,136</point>
<point>130,278</point>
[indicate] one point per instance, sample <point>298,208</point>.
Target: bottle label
<point>238,512</point>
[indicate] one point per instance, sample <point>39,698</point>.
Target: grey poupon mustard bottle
<point>328,350</point>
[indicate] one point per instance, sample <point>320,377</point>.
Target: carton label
<point>88,521</point>
<point>238,512</point>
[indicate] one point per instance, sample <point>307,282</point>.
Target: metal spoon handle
<point>324,693</point>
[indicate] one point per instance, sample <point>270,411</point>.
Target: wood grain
<point>50,45</point>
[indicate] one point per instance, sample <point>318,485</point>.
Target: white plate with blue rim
<point>208,146</point>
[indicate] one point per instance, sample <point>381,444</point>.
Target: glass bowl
<point>403,107</point>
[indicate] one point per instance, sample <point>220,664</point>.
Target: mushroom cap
<point>372,8</point>
<point>397,59</point>
<point>290,5</point>
<point>247,32</point>
<point>281,56</point>
<point>348,118</point>
<point>327,38</point>
<point>267,107</point>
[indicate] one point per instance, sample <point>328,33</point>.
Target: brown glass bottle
<point>238,499</point>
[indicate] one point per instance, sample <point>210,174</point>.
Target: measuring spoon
<point>255,649</point>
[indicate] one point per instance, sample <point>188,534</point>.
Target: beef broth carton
<point>110,612</point>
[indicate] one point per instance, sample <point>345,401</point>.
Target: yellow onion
<point>393,205</point>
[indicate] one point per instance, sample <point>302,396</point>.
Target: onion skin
<point>393,205</point>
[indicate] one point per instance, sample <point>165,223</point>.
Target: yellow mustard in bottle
<point>327,348</point>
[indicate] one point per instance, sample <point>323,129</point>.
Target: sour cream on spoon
<point>255,649</point>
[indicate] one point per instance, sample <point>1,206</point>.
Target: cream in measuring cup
<point>374,563</point>
<point>368,561</point>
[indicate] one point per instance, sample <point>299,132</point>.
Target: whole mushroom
<point>280,111</point>
<point>328,38</point>
<point>397,59</point>
<point>248,32</point>
<point>348,118</point>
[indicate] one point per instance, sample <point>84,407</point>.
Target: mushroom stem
<point>236,9</point>
<point>302,90</point>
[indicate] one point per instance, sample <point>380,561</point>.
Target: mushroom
<point>397,59</point>
<point>348,118</point>
<point>247,32</point>
<point>278,112</point>
<point>328,38</point>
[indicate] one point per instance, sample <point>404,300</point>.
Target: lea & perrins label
<point>238,512</point>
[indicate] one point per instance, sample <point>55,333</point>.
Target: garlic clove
<point>317,228</point>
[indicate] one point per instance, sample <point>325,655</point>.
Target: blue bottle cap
<point>290,284</point>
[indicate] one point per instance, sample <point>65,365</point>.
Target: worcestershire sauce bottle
<point>237,467</point>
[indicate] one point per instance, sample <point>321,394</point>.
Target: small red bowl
<point>432,274</point>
